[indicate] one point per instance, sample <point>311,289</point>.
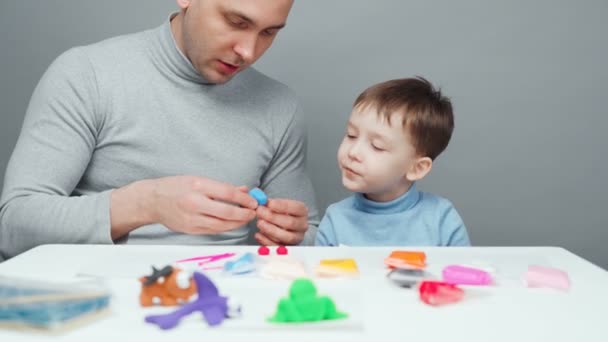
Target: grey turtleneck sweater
<point>131,108</point>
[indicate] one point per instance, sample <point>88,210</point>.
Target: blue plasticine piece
<point>259,196</point>
<point>243,265</point>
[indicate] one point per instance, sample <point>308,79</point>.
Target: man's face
<point>223,37</point>
<point>375,156</point>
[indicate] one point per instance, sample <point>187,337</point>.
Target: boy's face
<point>375,158</point>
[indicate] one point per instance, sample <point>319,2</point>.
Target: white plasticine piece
<point>234,308</point>
<point>183,280</point>
<point>283,268</point>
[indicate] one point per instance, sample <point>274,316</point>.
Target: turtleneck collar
<point>399,204</point>
<point>171,58</point>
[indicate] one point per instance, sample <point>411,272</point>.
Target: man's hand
<point>185,204</point>
<point>282,222</point>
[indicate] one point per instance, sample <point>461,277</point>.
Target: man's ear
<point>420,169</point>
<point>183,4</point>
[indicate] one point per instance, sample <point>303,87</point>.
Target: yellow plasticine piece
<point>337,267</point>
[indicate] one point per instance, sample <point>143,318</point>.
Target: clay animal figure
<point>168,286</point>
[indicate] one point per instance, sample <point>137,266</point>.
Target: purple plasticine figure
<point>215,308</point>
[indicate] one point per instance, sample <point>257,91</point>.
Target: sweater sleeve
<point>453,230</point>
<point>286,175</point>
<point>326,236</point>
<point>55,145</point>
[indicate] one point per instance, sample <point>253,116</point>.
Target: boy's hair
<point>426,113</point>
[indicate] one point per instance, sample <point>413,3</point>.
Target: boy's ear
<point>420,169</point>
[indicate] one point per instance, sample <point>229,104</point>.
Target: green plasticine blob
<point>303,305</point>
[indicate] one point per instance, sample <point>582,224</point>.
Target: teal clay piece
<point>259,195</point>
<point>304,305</point>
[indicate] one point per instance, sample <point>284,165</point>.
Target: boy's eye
<point>378,148</point>
<point>351,136</point>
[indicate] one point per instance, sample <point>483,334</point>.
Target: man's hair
<point>425,112</point>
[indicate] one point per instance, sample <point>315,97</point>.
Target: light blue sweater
<point>414,219</point>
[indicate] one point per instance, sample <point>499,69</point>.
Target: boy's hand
<point>281,222</point>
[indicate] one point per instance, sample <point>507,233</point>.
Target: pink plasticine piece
<point>541,276</point>
<point>462,275</point>
<point>282,250</point>
<point>208,258</point>
<point>263,250</point>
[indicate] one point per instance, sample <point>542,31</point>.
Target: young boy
<point>395,131</point>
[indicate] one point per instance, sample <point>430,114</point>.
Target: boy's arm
<point>453,230</point>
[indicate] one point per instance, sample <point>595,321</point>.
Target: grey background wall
<point>527,164</point>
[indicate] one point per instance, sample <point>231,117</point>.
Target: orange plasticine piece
<point>401,259</point>
<point>168,290</point>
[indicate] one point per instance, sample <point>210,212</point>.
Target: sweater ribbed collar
<point>399,204</point>
<point>171,58</point>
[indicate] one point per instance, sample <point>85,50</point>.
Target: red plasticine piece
<point>439,293</point>
<point>263,250</point>
<point>282,250</point>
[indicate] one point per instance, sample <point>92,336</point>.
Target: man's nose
<point>245,47</point>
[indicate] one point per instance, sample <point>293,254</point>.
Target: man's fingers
<point>264,240</point>
<point>278,234</point>
<point>286,206</point>
<point>292,223</point>
<point>225,211</point>
<point>226,192</point>
<point>204,225</point>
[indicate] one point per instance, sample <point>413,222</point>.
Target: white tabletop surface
<point>507,311</point>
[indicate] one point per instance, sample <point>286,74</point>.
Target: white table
<point>379,310</point>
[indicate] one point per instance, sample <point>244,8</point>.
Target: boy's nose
<point>354,152</point>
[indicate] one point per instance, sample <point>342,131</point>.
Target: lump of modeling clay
<point>305,305</point>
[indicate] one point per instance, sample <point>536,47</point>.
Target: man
<point>156,137</point>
